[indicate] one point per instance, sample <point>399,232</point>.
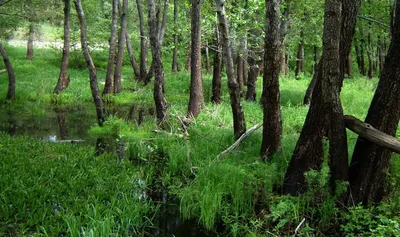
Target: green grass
<point>97,193</point>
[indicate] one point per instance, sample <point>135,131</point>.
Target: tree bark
<point>252,79</point>
<point>29,52</point>
<point>159,98</point>
<point>121,46</point>
<point>240,72</point>
<point>300,58</point>
<point>11,75</point>
<point>349,67</point>
<point>92,69</point>
<point>143,44</point>
<point>108,87</point>
<point>370,163</point>
<point>196,88</point>
<point>216,81</point>
<point>272,122</point>
<point>310,88</point>
<point>207,58</point>
<point>132,59</point>
<point>175,62</point>
<point>239,124</point>
<point>325,116</point>
<point>63,78</point>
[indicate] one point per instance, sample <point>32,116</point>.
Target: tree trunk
<point>358,54</point>
<point>310,88</point>
<point>370,163</point>
<point>29,52</point>
<point>159,98</point>
<point>300,58</point>
<point>239,124</point>
<point>325,116</point>
<point>272,122</point>
<point>175,53</point>
<point>132,58</point>
<point>188,61</point>
<point>240,72</point>
<point>252,79</point>
<point>92,69</point>
<point>143,44</point>
<point>207,58</point>
<point>349,67</point>
<point>63,78</point>
<point>121,46</point>
<point>370,59</point>
<point>108,87</point>
<point>11,75</point>
<point>216,81</point>
<point>196,88</point>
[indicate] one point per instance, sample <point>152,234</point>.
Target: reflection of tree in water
<point>62,124</point>
<point>139,113</point>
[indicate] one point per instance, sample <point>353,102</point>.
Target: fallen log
<point>372,134</point>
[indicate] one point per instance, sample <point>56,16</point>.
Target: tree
<point>121,45</point>
<point>143,44</point>
<point>11,75</point>
<point>175,63</point>
<point>63,78</point>
<point>370,163</point>
<point>272,122</point>
<point>196,99</point>
<point>161,103</point>
<point>217,68</point>
<point>239,124</point>
<point>92,69</point>
<point>108,87</point>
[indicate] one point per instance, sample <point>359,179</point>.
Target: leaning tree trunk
<point>63,78</point>
<point>11,75</point>
<point>159,98</point>
<point>92,69</point>
<point>370,163</point>
<point>217,68</point>
<point>175,63</point>
<point>108,87</point>
<point>310,88</point>
<point>29,52</point>
<point>272,122</point>
<point>325,116</point>
<point>121,46</point>
<point>239,124</point>
<point>132,58</point>
<point>196,88</point>
<point>143,44</point>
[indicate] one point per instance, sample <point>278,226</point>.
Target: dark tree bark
<point>370,163</point>
<point>121,46</point>
<point>272,122</point>
<point>310,88</point>
<point>325,116</point>
<point>188,61</point>
<point>132,59</point>
<point>239,124</point>
<point>143,44</point>
<point>11,75</point>
<point>349,67</point>
<point>284,30</point>
<point>252,79</point>
<point>380,54</point>
<point>108,87</point>
<point>63,78</point>
<point>92,69</point>
<point>175,63</point>
<point>161,103</point>
<point>370,59</point>
<point>217,68</point>
<point>29,52</point>
<point>361,68</point>
<point>196,88</point>
<point>207,58</point>
<point>240,72</point>
<point>300,58</point>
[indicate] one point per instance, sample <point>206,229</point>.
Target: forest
<point>200,118</point>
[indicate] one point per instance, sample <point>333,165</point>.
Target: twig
<point>298,227</point>
<point>238,141</point>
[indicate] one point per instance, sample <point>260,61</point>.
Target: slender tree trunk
<point>240,72</point>
<point>29,52</point>
<point>92,69</point>
<point>216,81</point>
<point>159,98</point>
<point>252,79</point>
<point>188,61</point>
<point>63,78</point>
<point>300,58</point>
<point>207,58</point>
<point>284,30</point>
<point>11,75</point>
<point>370,59</point>
<point>121,46</point>
<point>143,44</point>
<point>239,124</point>
<point>370,163</point>
<point>358,54</point>
<point>108,87</point>
<point>175,63</point>
<point>362,44</point>
<point>196,88</point>
<point>349,67</point>
<point>132,59</point>
<point>272,122</point>
<point>325,116</point>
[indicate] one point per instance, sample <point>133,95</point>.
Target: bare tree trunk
<point>92,69</point>
<point>239,124</point>
<point>370,59</point>
<point>240,72</point>
<point>349,67</point>
<point>108,87</point>
<point>300,58</point>
<point>370,163</point>
<point>188,61</point>
<point>358,54</point>
<point>63,78</point>
<point>207,58</point>
<point>196,88</point>
<point>272,122</point>
<point>132,59</point>
<point>252,79</point>
<point>121,46</point>
<point>159,98</point>
<point>29,52</point>
<point>143,44</point>
<point>11,75</point>
<point>216,81</point>
<point>175,62</point>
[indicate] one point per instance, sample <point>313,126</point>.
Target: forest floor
<point>60,189</point>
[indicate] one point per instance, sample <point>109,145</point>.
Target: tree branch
<point>374,21</point>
